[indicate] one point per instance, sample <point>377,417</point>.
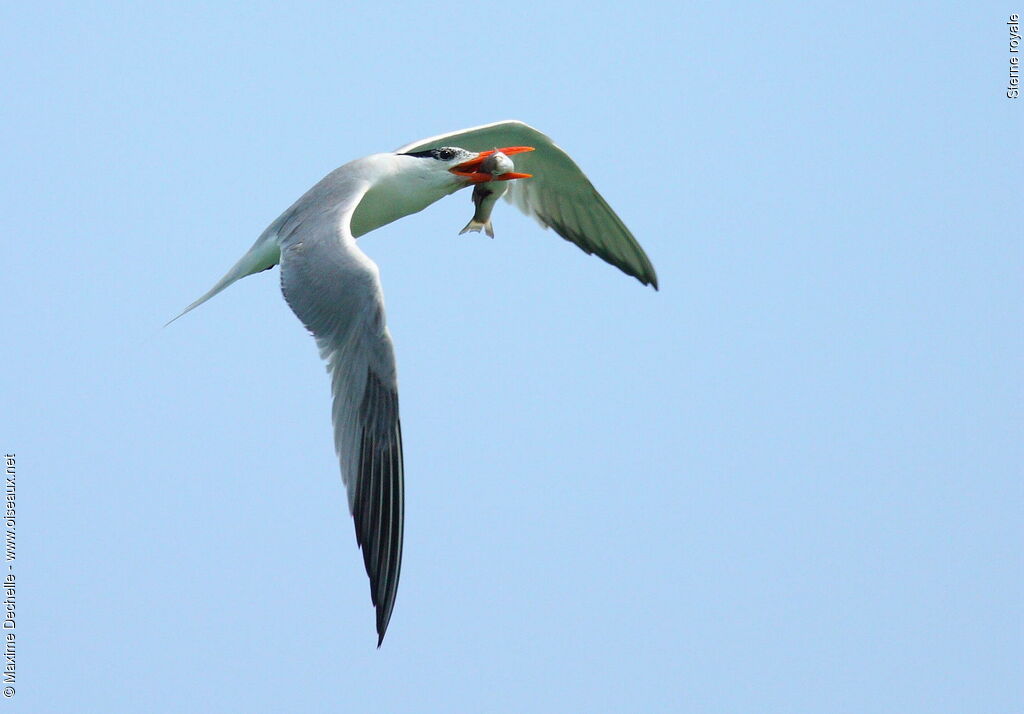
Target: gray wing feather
<point>559,195</point>
<point>334,289</point>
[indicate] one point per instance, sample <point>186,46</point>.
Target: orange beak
<point>470,169</point>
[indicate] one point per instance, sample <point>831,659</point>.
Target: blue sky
<point>790,481</point>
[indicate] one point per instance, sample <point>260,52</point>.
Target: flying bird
<point>334,289</point>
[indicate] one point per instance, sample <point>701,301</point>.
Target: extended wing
<point>559,195</point>
<point>334,289</point>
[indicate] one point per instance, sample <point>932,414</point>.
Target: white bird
<point>334,289</point>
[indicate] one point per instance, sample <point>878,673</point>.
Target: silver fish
<point>485,195</point>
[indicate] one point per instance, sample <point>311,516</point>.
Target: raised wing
<point>334,289</point>
<point>559,195</point>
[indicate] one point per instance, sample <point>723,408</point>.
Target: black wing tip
<point>384,610</point>
<point>378,510</point>
<point>644,277</point>
<point>644,272</point>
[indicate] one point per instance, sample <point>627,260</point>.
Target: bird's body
<point>486,194</point>
<point>334,289</point>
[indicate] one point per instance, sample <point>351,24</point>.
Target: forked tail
<point>264,255</point>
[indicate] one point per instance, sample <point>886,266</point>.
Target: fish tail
<point>476,226</point>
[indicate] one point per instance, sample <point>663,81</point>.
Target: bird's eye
<point>446,154</point>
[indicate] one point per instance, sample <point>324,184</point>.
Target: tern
<point>334,289</point>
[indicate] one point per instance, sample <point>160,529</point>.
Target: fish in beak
<point>498,166</point>
<point>476,172</point>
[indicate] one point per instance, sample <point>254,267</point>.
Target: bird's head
<point>466,165</point>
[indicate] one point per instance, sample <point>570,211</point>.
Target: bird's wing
<point>559,195</point>
<point>334,289</point>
